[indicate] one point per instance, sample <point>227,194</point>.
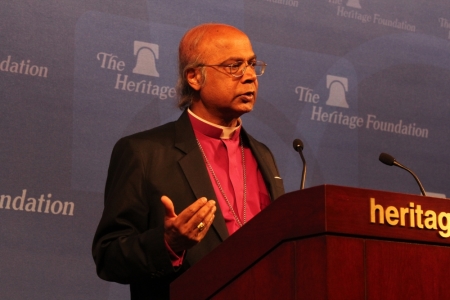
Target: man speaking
<point>177,191</point>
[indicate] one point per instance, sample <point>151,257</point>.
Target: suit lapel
<point>267,168</point>
<point>195,170</point>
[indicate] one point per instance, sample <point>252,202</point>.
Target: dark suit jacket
<point>129,243</point>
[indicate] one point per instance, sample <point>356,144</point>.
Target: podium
<point>331,242</point>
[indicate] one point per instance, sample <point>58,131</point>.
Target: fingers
<point>204,216</point>
<point>168,206</point>
<point>197,211</point>
<point>192,209</point>
<point>206,223</point>
<point>195,228</point>
<point>183,232</point>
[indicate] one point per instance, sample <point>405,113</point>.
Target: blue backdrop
<point>351,78</point>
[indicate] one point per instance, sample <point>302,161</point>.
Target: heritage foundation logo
<point>292,3</point>
<point>445,23</point>
<point>353,3</point>
<point>348,11</point>
<point>146,55</point>
<point>24,66</point>
<point>338,86</point>
<point>37,205</point>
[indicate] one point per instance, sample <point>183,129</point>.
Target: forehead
<point>225,43</point>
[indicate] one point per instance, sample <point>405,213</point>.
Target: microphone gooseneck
<point>390,161</point>
<point>298,146</point>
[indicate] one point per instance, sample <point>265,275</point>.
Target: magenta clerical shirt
<point>222,148</point>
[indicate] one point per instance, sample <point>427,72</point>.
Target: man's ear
<point>194,78</point>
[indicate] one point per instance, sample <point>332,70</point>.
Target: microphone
<point>390,161</point>
<point>298,146</point>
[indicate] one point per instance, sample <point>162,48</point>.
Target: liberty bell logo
<point>353,3</point>
<point>337,86</point>
<point>146,56</point>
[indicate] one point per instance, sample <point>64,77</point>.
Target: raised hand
<point>187,229</point>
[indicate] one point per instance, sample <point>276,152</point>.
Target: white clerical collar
<point>227,132</point>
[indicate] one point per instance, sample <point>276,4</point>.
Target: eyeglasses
<point>238,68</point>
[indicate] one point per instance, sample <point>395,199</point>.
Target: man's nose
<point>249,73</point>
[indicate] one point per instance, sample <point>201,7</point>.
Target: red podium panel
<point>331,242</point>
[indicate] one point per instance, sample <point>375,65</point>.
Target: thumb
<point>168,206</point>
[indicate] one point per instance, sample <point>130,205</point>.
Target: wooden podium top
<point>325,209</point>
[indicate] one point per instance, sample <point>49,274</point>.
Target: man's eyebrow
<point>239,59</point>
